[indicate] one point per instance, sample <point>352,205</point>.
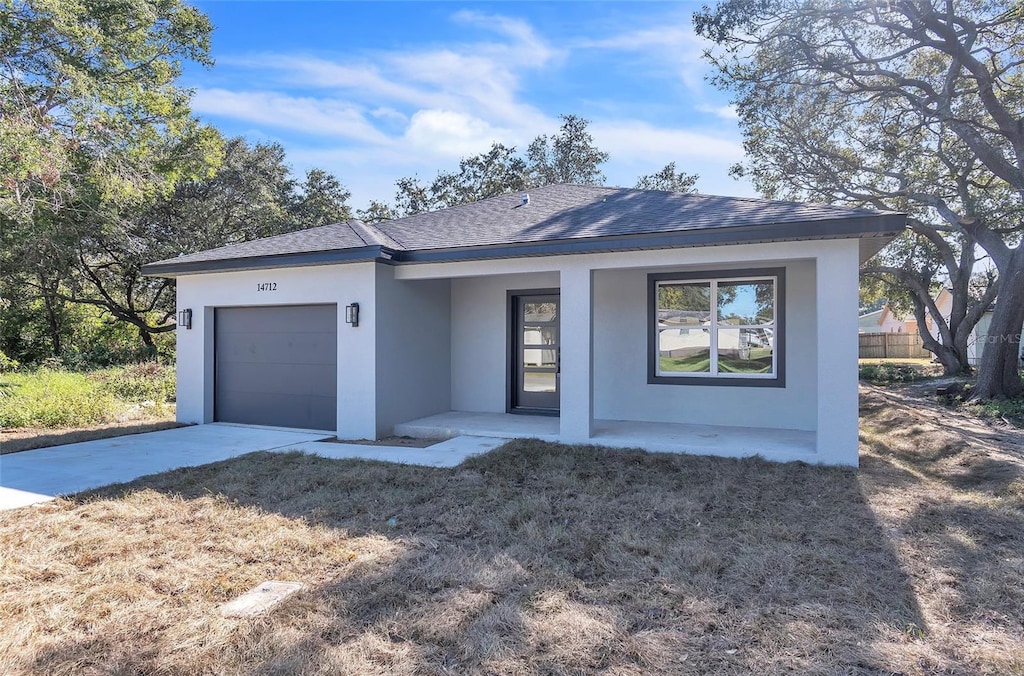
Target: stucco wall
<point>339,284</point>
<point>620,361</point>
<point>413,349</point>
<point>479,337</point>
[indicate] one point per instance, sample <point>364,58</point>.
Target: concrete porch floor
<point>772,444</point>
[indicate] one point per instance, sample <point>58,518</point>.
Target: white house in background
<point>885,321</point>
<point>979,334</point>
<point>576,313</point>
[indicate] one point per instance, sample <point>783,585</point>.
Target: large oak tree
<point>912,105</point>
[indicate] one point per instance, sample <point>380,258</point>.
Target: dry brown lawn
<point>542,559</point>
<point>17,439</point>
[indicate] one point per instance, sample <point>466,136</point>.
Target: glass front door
<point>536,352</point>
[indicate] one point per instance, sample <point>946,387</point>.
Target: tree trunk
<point>999,371</point>
<point>952,363</point>
<point>147,337</point>
<point>952,355</point>
<point>52,318</point>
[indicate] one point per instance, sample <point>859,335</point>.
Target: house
<point>885,321</point>
<point>575,313</point>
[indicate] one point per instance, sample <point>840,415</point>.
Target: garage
<point>277,365</point>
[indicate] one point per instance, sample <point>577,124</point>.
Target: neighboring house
<point>885,321</point>
<point>979,334</point>
<point>672,321</point>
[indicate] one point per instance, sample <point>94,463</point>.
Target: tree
<point>495,172</point>
<point>252,195</point>
<point>92,121</point>
<point>377,212</point>
<point>89,95</point>
<point>322,200</point>
<point>569,156</point>
<point>668,179</point>
<point>908,106</point>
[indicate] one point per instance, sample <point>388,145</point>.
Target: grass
<point>54,399</point>
<point>760,361</point>
<point>1007,410</point>
<point>539,558</point>
<point>897,371</point>
<point>29,438</point>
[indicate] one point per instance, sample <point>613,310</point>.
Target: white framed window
<point>722,327</point>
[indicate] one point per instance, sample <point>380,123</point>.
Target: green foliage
<point>377,212</point>
<point>890,373</point>
<point>142,382</point>
<point>669,179</point>
<point>569,156</point>
<point>48,398</point>
<point>101,310</point>
<point>7,364</point>
<point>1009,410</point>
<point>53,398</point>
<point>89,101</point>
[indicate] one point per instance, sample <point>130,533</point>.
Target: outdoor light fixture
<point>185,318</point>
<point>352,314</point>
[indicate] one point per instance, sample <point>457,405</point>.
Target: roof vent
<point>525,198</point>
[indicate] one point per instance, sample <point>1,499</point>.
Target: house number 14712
<point>266,286</point>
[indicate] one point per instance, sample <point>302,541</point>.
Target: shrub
<point>7,364</point>
<point>52,398</point>
<point>888,373</point>
<point>48,398</point>
<point>145,381</point>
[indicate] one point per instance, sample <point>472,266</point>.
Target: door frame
<point>511,381</point>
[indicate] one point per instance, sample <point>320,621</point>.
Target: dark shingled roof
<point>607,219</point>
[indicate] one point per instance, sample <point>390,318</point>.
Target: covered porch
<point>599,364</point>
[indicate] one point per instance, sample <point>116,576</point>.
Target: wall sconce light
<point>352,314</point>
<point>185,319</point>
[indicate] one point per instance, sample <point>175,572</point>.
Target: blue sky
<point>376,91</point>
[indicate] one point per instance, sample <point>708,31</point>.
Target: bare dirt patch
<point>539,558</point>
<point>404,442</point>
<point>28,438</point>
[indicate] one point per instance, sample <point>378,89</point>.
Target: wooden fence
<point>892,346</point>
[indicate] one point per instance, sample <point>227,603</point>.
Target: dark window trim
<point>510,351</point>
<point>721,275</point>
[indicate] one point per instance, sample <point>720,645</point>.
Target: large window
<point>721,328</point>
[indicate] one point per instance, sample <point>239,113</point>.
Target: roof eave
<point>288,260</point>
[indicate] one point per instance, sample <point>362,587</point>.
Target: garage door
<point>277,366</point>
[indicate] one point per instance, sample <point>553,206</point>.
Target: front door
<point>535,356</point>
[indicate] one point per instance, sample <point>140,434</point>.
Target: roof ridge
<point>376,236</point>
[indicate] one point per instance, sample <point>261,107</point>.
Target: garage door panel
<point>306,412</point>
<point>290,379</point>
<point>277,366</point>
<point>278,319</point>
<point>268,348</point>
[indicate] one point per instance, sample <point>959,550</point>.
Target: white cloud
<point>636,140</point>
<point>723,112</point>
<point>308,115</point>
<point>374,116</point>
<point>449,133</point>
<point>672,48</point>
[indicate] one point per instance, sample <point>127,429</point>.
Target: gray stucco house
<point>584,314</point>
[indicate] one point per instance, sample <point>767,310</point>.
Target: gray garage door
<point>277,366</point>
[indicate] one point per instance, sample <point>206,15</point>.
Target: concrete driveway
<point>36,476</point>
